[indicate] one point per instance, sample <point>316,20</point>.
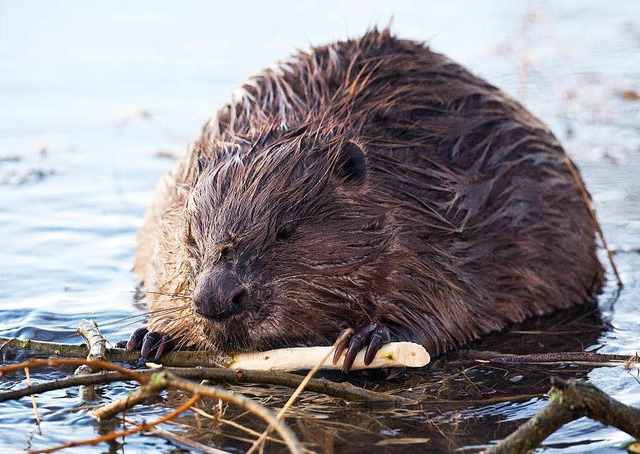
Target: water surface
<point>94,97</point>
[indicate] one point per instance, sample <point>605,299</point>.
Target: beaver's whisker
<point>171,295</point>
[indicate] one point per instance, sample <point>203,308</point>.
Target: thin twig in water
<point>179,438</point>
<point>181,358</point>
<point>587,202</point>
<point>209,391</point>
<point>114,435</point>
<point>299,390</point>
<point>33,400</point>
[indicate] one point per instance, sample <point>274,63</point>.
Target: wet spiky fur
<point>467,219</point>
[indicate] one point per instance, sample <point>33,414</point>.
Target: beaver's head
<point>285,245</point>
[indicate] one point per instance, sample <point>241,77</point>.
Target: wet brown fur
<point>468,218</point>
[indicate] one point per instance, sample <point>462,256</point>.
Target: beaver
<point>369,183</point>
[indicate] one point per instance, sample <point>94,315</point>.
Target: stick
<point>586,358</point>
<point>395,354</point>
<point>570,400</point>
<point>33,398</point>
<point>209,391</point>
<point>89,331</point>
<point>587,201</point>
<point>259,442</point>
<point>177,359</point>
<point>343,390</point>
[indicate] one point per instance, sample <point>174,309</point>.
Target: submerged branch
<point>345,390</point>
<point>587,358</point>
<point>570,400</point>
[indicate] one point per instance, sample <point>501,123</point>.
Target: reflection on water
<point>94,98</point>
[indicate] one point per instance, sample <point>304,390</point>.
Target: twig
<point>150,389</point>
<point>209,391</point>
<point>587,202</point>
<point>97,344</point>
<point>113,435</point>
<point>570,400</point>
<point>177,359</point>
<point>57,362</point>
<point>100,378</point>
<point>33,398</point>
<point>299,389</point>
<point>550,358</point>
<point>89,331</point>
<point>344,390</point>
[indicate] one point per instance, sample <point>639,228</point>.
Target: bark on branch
<point>570,400</point>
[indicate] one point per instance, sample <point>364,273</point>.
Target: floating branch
<point>585,358</point>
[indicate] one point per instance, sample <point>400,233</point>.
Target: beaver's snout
<point>219,295</point>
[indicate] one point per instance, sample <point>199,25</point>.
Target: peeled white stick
<point>395,354</point>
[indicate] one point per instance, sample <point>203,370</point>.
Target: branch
<point>177,359</point>
<point>570,400</point>
<point>586,198</point>
<point>114,435</point>
<point>395,354</point>
<point>586,358</point>
<point>344,390</point>
<point>92,336</point>
<point>247,404</point>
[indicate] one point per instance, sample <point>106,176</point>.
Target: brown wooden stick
<point>570,400</point>
<point>588,358</point>
<point>57,362</point>
<point>209,391</point>
<point>343,390</point>
<point>177,359</point>
<point>261,439</point>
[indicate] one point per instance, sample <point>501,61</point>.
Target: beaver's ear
<point>351,164</point>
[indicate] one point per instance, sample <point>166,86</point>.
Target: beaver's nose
<point>219,295</point>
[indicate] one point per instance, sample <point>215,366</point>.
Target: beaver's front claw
<point>149,343</point>
<point>371,335</point>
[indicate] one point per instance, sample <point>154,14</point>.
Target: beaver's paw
<point>149,343</point>
<point>370,335</point>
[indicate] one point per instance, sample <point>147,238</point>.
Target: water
<point>92,98</point>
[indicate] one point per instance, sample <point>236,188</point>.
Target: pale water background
<point>94,94</point>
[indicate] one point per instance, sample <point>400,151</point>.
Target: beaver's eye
<point>284,232</point>
<point>225,252</point>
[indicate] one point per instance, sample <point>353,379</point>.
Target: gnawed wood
<point>395,354</point>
